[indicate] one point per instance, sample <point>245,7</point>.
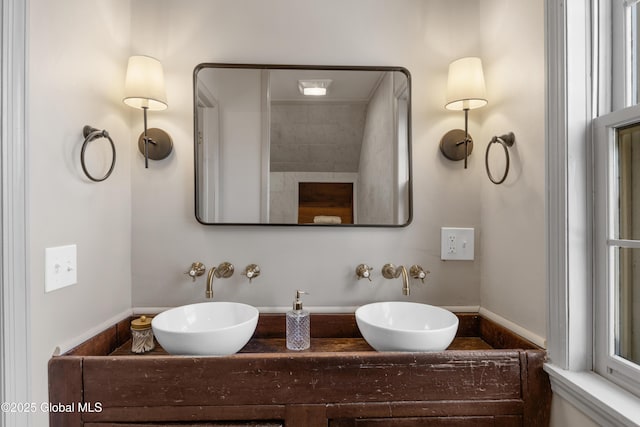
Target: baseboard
<point>89,333</point>
<point>514,327</point>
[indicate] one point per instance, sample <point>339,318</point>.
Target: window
<point>617,247</point>
<point>592,336</point>
<point>617,203</point>
<point>619,35</point>
<point>626,284</point>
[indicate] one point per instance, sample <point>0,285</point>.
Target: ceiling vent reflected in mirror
<point>314,87</point>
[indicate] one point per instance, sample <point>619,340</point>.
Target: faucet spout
<point>390,271</point>
<point>208,293</point>
<point>405,281</point>
<point>223,271</point>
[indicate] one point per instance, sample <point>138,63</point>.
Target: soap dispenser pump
<point>298,325</point>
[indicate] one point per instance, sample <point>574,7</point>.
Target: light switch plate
<point>457,243</point>
<point>60,267</point>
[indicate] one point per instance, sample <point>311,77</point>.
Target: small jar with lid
<point>141,335</point>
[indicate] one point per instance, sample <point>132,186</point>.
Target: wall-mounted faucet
<point>418,273</point>
<point>197,269</point>
<point>390,271</point>
<point>363,271</point>
<point>223,271</point>
<point>251,271</point>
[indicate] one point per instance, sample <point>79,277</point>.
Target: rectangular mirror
<point>319,146</point>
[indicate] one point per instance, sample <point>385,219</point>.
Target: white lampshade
<point>144,84</point>
<point>465,86</point>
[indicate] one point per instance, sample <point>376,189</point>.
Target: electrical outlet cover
<point>457,243</point>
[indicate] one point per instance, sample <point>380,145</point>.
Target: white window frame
<point>606,363</point>
<point>615,55</point>
<point>571,71</point>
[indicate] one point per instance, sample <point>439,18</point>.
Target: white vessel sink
<point>406,326</point>
<point>205,329</point>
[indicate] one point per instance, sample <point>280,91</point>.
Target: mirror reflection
<point>302,145</point>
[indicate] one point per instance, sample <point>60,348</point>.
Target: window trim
<point>15,353</point>
<point>568,115</point>
<point>569,110</point>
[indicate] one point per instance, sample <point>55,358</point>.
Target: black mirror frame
<point>403,70</point>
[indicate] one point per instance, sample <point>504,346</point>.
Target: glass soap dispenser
<point>298,325</point>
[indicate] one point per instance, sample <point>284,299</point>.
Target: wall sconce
<point>144,88</point>
<point>465,91</point>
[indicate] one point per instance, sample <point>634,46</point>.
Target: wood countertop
<point>329,333</point>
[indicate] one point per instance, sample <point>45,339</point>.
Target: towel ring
<point>506,140</point>
<point>91,133</point>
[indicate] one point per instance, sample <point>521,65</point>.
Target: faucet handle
<point>389,271</point>
<point>251,271</point>
<point>418,273</point>
<point>197,269</point>
<point>363,271</point>
<point>224,270</point>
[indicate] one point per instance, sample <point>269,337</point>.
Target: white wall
<point>513,246</point>
<point>564,414</point>
<point>76,59</point>
<point>166,236</point>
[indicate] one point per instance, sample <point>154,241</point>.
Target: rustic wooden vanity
<point>487,377</point>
